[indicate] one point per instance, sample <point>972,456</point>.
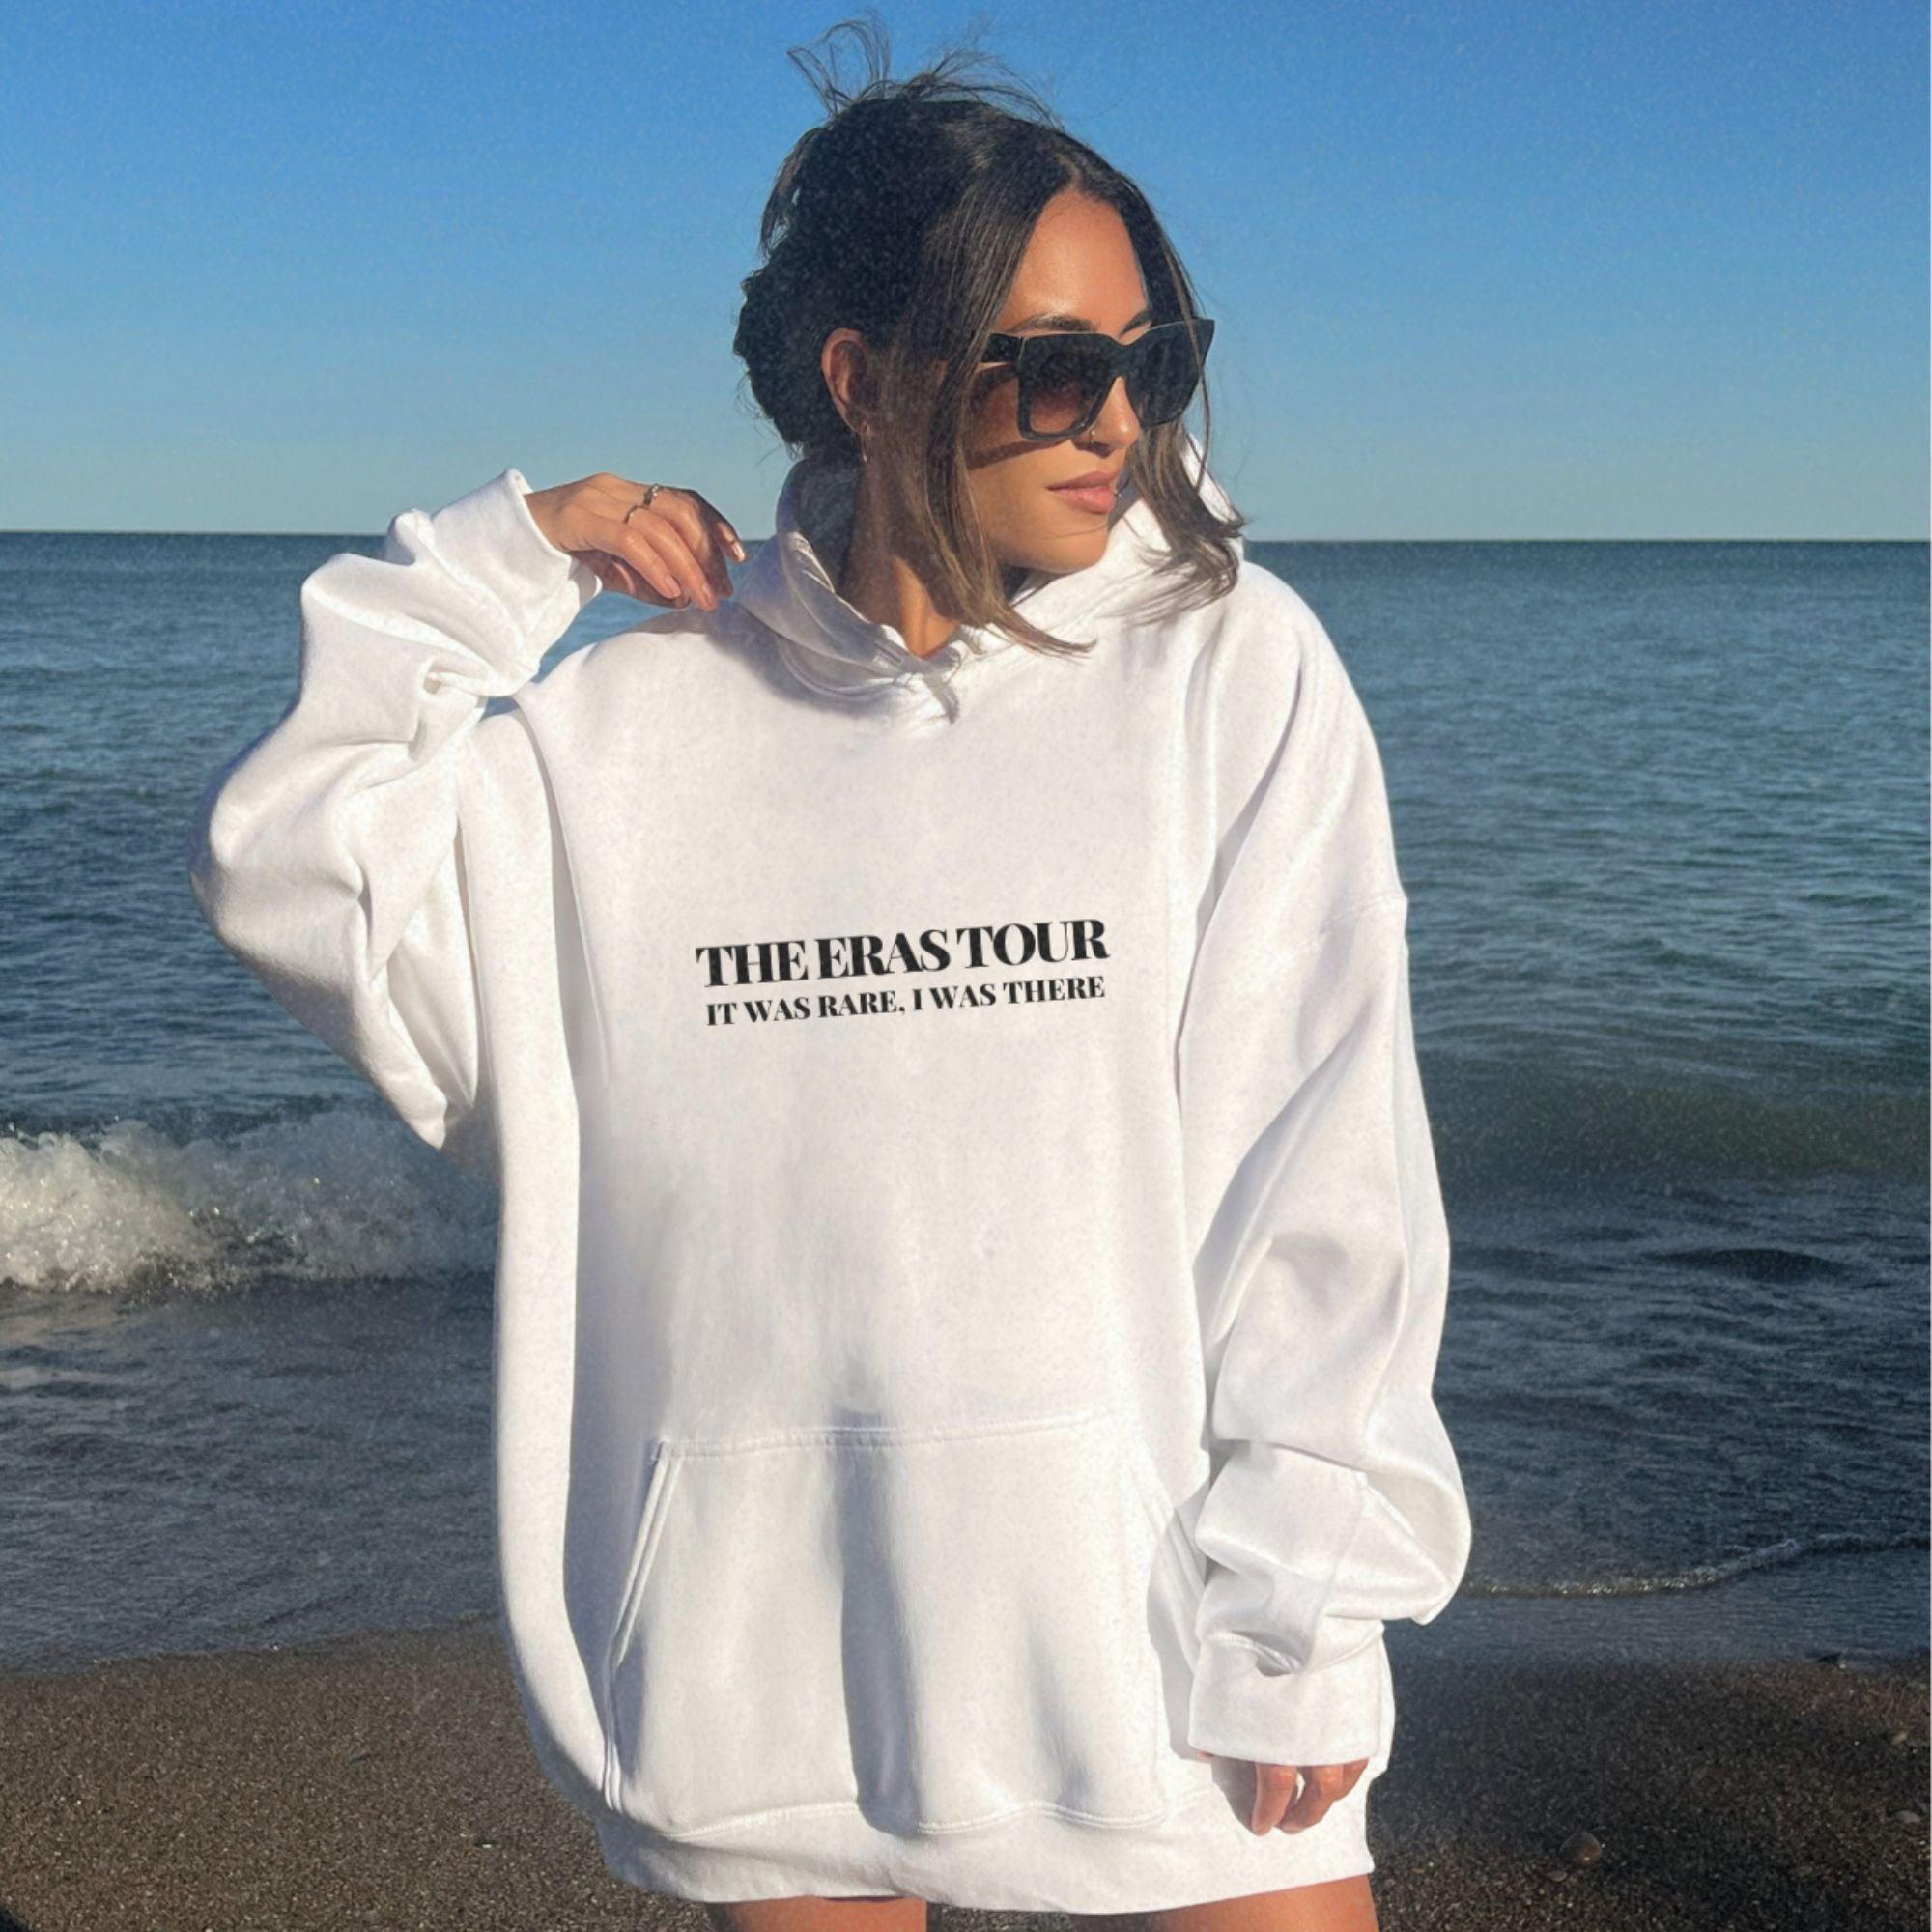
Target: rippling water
<point>1662,811</point>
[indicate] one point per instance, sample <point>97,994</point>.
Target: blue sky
<point>1484,270</point>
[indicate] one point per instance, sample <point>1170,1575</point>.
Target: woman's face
<point>1079,273</point>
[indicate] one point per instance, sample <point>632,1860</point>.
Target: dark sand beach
<point>387,1780</point>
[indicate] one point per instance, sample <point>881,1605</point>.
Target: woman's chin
<point>1067,550</point>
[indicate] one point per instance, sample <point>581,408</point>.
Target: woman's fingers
<point>1321,1785</point>
<point>701,530</point>
<point>679,537</point>
<point>672,550</point>
<point>648,585</point>
<point>1274,1788</point>
<point>723,523</point>
<point>1280,1804</point>
<point>687,570</point>
<point>645,546</point>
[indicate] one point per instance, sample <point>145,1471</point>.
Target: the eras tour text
<point>1015,964</point>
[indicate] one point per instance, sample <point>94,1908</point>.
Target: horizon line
<point>377,537</point>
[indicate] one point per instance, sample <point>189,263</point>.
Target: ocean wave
<point>1782,1554</point>
<point>340,1194</point>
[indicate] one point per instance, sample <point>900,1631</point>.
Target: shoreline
<point>386,1778</point>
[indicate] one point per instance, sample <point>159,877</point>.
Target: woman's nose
<point>1117,423</point>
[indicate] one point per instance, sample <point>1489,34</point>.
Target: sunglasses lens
<point>1169,374</point>
<point>1067,381</point>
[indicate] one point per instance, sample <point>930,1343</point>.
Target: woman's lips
<point>1096,496</point>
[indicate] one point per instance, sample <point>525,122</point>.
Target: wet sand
<point>389,1782</point>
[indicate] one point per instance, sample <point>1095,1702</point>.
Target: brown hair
<point>904,216</point>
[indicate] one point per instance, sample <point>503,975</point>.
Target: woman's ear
<point>843,361</point>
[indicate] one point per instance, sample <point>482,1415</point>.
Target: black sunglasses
<point>1064,379</point>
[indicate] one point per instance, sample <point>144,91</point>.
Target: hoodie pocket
<point>940,1627</point>
<point>1181,1579</point>
<point>1175,1600</point>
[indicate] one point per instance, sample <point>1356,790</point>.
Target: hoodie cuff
<point>1245,1707</point>
<point>490,537</point>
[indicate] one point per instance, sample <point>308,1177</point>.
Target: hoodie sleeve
<point>325,856</point>
<point>1322,1252</point>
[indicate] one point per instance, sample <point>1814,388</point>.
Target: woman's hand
<point>669,551</point>
<point>1321,1785</point>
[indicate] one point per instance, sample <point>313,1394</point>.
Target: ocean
<point>1662,813</point>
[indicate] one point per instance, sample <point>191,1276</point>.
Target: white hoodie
<point>972,1264</point>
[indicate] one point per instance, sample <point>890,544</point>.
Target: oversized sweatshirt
<point>970,1259</point>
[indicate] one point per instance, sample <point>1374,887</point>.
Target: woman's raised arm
<point>326,854</point>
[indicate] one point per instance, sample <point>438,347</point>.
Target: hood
<point>834,650</point>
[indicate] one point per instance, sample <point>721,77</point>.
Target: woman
<point>937,1011</point>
